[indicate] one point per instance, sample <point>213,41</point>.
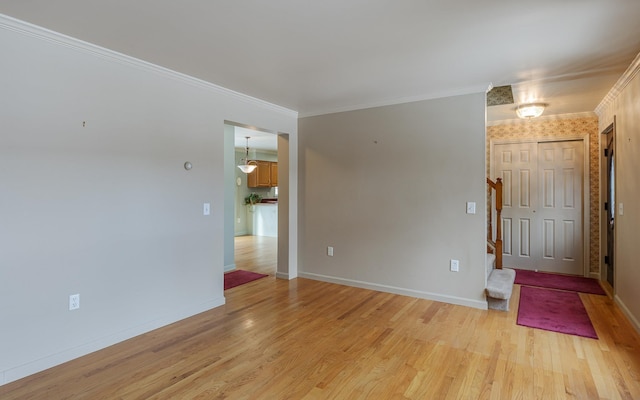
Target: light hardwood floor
<point>304,339</point>
<point>256,254</point>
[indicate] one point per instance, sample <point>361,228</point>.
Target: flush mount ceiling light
<point>530,110</point>
<point>246,167</point>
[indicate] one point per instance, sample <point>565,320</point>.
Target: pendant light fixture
<point>530,110</point>
<point>246,167</point>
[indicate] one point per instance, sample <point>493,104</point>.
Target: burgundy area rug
<point>556,281</point>
<point>240,277</point>
<point>554,310</point>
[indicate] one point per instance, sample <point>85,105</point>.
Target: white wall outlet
<point>454,265</point>
<point>471,207</point>
<point>206,209</point>
<point>620,209</point>
<point>238,220</point>
<point>74,302</point>
<point>330,251</point>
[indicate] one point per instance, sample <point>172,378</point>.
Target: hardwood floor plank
<point>304,339</point>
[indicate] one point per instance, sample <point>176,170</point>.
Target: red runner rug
<point>240,277</point>
<point>554,310</point>
<point>556,281</point>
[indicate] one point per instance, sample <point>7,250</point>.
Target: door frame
<point>604,181</point>
<point>586,204</point>
<point>287,261</point>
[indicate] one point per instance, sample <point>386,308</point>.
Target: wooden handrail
<point>495,244</point>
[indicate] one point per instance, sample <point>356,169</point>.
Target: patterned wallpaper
<point>559,128</point>
<point>500,95</point>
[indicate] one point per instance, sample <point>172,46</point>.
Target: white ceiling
<point>257,139</point>
<point>333,55</point>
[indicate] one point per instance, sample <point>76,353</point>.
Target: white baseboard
<point>13,374</point>
<point>634,321</point>
<point>229,267</point>
<point>397,290</point>
<point>282,275</point>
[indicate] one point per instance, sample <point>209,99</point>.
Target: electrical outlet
<point>74,302</point>
<point>238,220</point>
<point>330,251</point>
<point>454,265</point>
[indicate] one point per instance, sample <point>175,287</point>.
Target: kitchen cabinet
<point>265,175</point>
<point>261,176</point>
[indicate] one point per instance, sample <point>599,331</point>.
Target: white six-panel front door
<point>542,205</point>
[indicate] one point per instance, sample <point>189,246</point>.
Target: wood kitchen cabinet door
<point>261,176</point>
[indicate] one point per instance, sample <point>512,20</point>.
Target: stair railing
<point>495,244</point>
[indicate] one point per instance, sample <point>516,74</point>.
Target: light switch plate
<point>471,207</point>
<point>206,209</point>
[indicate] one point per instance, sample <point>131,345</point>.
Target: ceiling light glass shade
<point>532,110</point>
<point>247,168</point>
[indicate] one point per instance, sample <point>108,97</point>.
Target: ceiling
<point>335,55</point>
<point>258,140</point>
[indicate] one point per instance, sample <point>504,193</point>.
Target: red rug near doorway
<point>554,310</point>
<point>556,281</point>
<point>240,277</point>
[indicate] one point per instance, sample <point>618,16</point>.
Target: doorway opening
<point>255,200</point>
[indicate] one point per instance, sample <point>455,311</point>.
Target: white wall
<point>387,188</point>
<point>229,197</point>
<point>623,102</point>
<point>106,210</point>
<point>287,205</point>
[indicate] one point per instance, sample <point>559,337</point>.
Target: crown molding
<point>517,121</point>
<point>622,82</point>
<point>27,29</point>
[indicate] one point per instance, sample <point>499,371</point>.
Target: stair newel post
<point>489,224</point>
<point>499,223</point>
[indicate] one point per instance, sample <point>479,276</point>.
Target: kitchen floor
<point>257,254</point>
